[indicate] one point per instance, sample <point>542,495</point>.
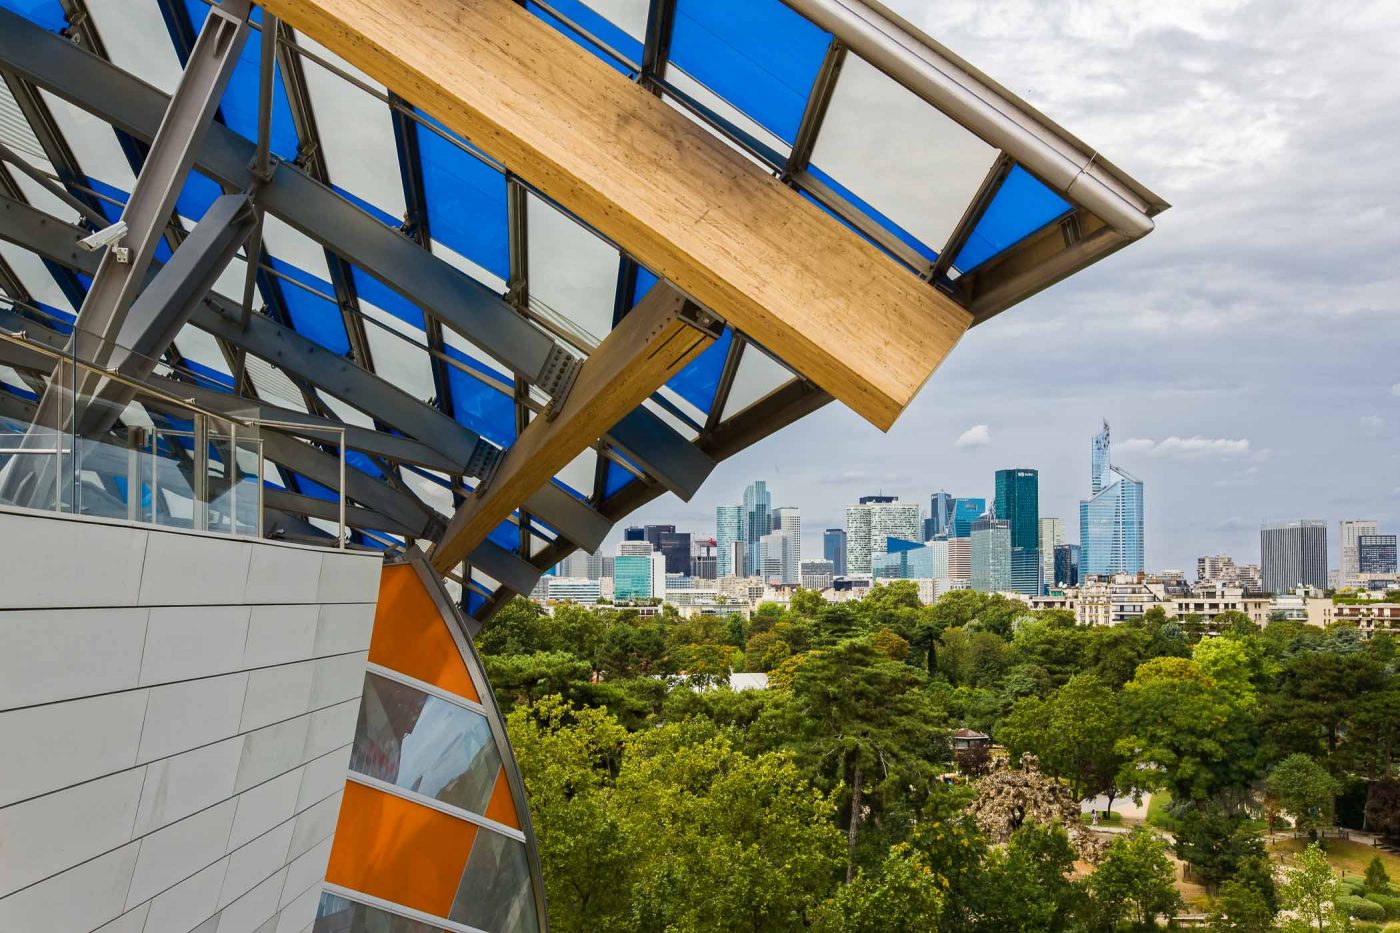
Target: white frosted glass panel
<point>573,275</point>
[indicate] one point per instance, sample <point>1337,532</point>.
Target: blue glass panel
<point>506,535</point>
<point>374,543</point>
<point>908,238</point>
<point>645,280</point>
<point>46,13</point>
<point>383,216</point>
<point>569,489</point>
<point>1021,206</point>
<point>466,203</point>
<point>385,298</point>
<point>597,26</point>
<point>475,601</point>
<point>362,462</point>
<point>698,381</point>
<point>113,212</point>
<point>239,106</point>
<point>309,487</point>
<point>759,55</point>
<point>478,406</point>
<point>18,390</point>
<point>314,317</point>
<point>199,192</point>
<point>616,479</point>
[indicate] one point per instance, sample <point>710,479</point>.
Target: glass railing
<point>118,441</point>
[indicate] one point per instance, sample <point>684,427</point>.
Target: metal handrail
<point>201,416</point>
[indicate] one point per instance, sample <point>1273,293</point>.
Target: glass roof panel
<point>478,406</point>
<point>629,17</point>
<point>596,26</point>
<point>92,142</point>
<point>905,159</point>
<point>778,149</point>
<point>617,478</point>
<point>699,380</point>
<point>38,280</point>
<point>757,376</point>
<point>466,202</point>
<point>759,55</point>
<point>313,315</point>
<point>239,106</point>
<point>356,133</point>
<point>47,13</point>
<point>578,476</point>
<point>136,39</point>
<point>573,274</point>
<point>1021,206</point>
<point>405,364</point>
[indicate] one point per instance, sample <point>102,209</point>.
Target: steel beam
<point>817,103</point>
<point>458,300</point>
<point>456,446</point>
<point>355,516</point>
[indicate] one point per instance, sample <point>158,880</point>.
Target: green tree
<point>862,720</point>
<point>1310,890</point>
<point>1135,882</point>
<point>1075,732</point>
<point>1025,887</point>
<point>903,895</point>
<point>1183,732</point>
<point>1218,845</point>
<point>1240,908</point>
<point>1377,878</point>
<point>1305,791</point>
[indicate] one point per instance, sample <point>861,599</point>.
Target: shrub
<point>1348,889</point>
<point>1389,902</point>
<point>1360,908</point>
<point>1377,880</point>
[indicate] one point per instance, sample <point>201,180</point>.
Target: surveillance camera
<point>107,236</point>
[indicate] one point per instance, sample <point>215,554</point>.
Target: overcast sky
<point>1246,353</point>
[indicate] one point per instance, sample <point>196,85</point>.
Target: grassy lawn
<point>1345,855</point>
<point>1157,810</point>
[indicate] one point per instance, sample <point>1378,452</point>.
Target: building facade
<point>1052,536</point>
<point>757,522</point>
<point>817,574</point>
<point>1018,504</point>
<point>1111,519</point>
<point>1066,566</point>
<point>960,559</point>
<point>834,549</point>
<point>965,512</point>
<point>1293,554</point>
<point>729,531</point>
<point>1349,532</point>
<point>871,523</point>
<point>1375,556</point>
<point>940,516</point>
<point>991,555</point>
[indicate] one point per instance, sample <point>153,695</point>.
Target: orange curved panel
<point>502,805</point>
<point>399,850</point>
<point>411,637</point>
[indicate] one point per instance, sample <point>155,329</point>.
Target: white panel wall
<point>176,713</point>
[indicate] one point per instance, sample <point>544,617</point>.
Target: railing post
<point>201,472</point>
<point>341,536</point>
<point>232,468</point>
<point>135,439</point>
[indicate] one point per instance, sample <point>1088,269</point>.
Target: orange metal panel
<point>411,637</point>
<point>398,850</point>
<point>502,805</point>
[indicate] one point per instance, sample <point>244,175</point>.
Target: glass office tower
<point>1018,503</point>
<point>729,529</point>
<point>965,512</point>
<point>757,522</point>
<point>1111,519</point>
<point>834,549</point>
<point>991,555</point>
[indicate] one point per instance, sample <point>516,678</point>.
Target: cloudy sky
<point>1246,354</point>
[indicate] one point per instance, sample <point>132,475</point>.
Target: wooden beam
<point>667,191</point>
<point>651,344</point>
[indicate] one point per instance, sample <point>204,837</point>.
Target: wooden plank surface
<point>684,203</point>
<point>650,346</point>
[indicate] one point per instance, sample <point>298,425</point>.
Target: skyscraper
<point>1066,566</point>
<point>635,571</point>
<point>940,516</point>
<point>729,531</point>
<point>834,549</point>
<point>1111,519</point>
<point>1018,503</point>
<point>1293,554</point>
<point>756,523</point>
<point>1375,556</point>
<point>960,558</point>
<point>991,555</point>
<point>965,512</point>
<point>871,523</point>
<point>1351,530</point>
<point>788,520</point>
<point>634,533</point>
<point>1052,535</point>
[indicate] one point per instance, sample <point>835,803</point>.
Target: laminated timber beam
<point>668,192</point>
<point>663,333</point>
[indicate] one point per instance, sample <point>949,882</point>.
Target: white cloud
<point>1395,390</point>
<point>1183,448</point>
<point>979,435</point>
<point>1372,424</point>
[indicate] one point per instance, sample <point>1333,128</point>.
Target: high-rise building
<point>674,545</point>
<point>991,555</point>
<point>1018,503</point>
<point>940,516</point>
<point>1293,554</point>
<point>960,558</point>
<point>634,533</point>
<point>872,522</point>
<point>639,572</point>
<point>788,520</point>
<point>965,512</point>
<point>778,553</point>
<point>1052,535</point>
<point>1375,555</point>
<point>703,559</point>
<point>729,530</point>
<point>817,574</point>
<point>582,566</point>
<point>1066,566</point>
<point>1111,519</point>
<point>834,549</point>
<point>757,522</point>
<point>1351,530</point>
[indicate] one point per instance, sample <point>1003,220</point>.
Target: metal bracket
<point>482,463</point>
<point>702,319</point>
<point>557,378</point>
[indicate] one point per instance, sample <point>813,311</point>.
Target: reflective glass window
<point>495,893</point>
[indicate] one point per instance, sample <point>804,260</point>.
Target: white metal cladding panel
<point>182,762</point>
